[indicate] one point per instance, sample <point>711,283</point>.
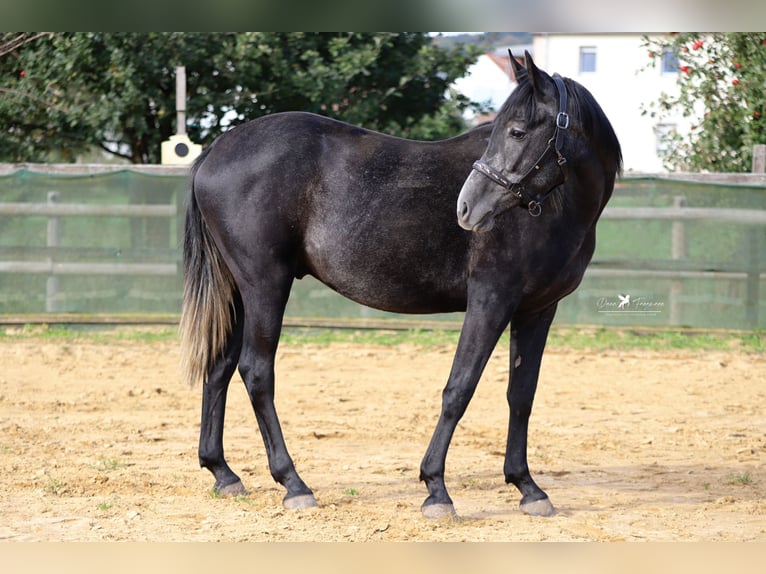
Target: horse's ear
<point>535,74</point>
<point>518,72</point>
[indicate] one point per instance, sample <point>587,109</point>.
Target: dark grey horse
<point>374,218</point>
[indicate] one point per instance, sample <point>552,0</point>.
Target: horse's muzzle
<point>469,221</point>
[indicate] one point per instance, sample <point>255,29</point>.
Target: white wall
<point>618,85</point>
<point>485,82</point>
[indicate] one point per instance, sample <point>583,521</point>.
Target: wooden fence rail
<point>54,211</point>
<point>84,209</point>
<point>679,268</point>
<point>727,215</point>
<point>53,268</point>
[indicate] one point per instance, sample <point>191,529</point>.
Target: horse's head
<point>542,129</point>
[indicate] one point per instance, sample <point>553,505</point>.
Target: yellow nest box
<point>179,150</point>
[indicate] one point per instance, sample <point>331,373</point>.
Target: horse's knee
<point>455,401</point>
<point>256,378</point>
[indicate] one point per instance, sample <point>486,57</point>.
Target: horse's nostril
<point>463,210</point>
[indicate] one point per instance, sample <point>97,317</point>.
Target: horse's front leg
<point>482,327</point>
<point>528,338</point>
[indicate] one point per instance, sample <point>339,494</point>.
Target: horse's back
<point>371,215</point>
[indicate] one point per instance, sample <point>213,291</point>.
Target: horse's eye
<point>516,133</point>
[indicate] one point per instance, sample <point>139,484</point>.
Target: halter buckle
<point>562,120</point>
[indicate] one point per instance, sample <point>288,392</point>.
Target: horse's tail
<point>207,311</point>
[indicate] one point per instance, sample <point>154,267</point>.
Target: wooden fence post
<point>759,158</point>
<point>52,287</point>
<point>754,235</point>
<point>752,283</point>
<point>678,251</point>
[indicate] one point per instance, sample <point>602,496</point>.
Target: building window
<point>669,61</point>
<point>587,59</point>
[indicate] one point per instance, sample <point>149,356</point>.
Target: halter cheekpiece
<point>518,188</point>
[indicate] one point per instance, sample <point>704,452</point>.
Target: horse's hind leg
<point>265,299</point>
<point>213,408</point>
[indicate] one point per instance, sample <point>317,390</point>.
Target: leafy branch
<point>720,89</point>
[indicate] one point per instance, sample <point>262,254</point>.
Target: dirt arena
<point>99,443</point>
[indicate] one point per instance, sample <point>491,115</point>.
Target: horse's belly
<point>397,277</point>
<point>417,299</point>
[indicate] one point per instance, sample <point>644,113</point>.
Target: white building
<point>489,80</point>
<point>614,68</point>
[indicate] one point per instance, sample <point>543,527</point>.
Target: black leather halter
<point>518,188</point>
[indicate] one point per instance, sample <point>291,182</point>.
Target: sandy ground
<point>98,442</point>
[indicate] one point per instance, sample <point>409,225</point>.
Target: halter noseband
<point>517,188</point>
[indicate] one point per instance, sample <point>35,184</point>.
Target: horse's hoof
<point>438,511</point>
<point>542,507</point>
<point>299,502</point>
<point>233,489</point>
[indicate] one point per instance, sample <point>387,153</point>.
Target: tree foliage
<point>64,93</point>
<point>722,90</point>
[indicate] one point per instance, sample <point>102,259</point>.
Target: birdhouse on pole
<point>179,149</point>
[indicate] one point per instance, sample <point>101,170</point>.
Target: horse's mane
<point>594,121</point>
<point>581,105</point>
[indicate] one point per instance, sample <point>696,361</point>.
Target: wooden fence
<point>47,260</point>
<point>676,269</point>
<point>54,211</point>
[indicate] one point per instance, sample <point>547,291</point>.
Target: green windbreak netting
<point>109,243</point>
<point>114,248</point>
<point>699,272</point>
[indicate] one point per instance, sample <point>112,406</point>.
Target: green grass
<point>601,338</point>
<point>54,486</point>
<point>243,499</point>
<point>561,337</point>
<point>91,333</point>
<point>568,337</point>
<point>108,464</point>
<point>422,337</point>
<point>741,479</point>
